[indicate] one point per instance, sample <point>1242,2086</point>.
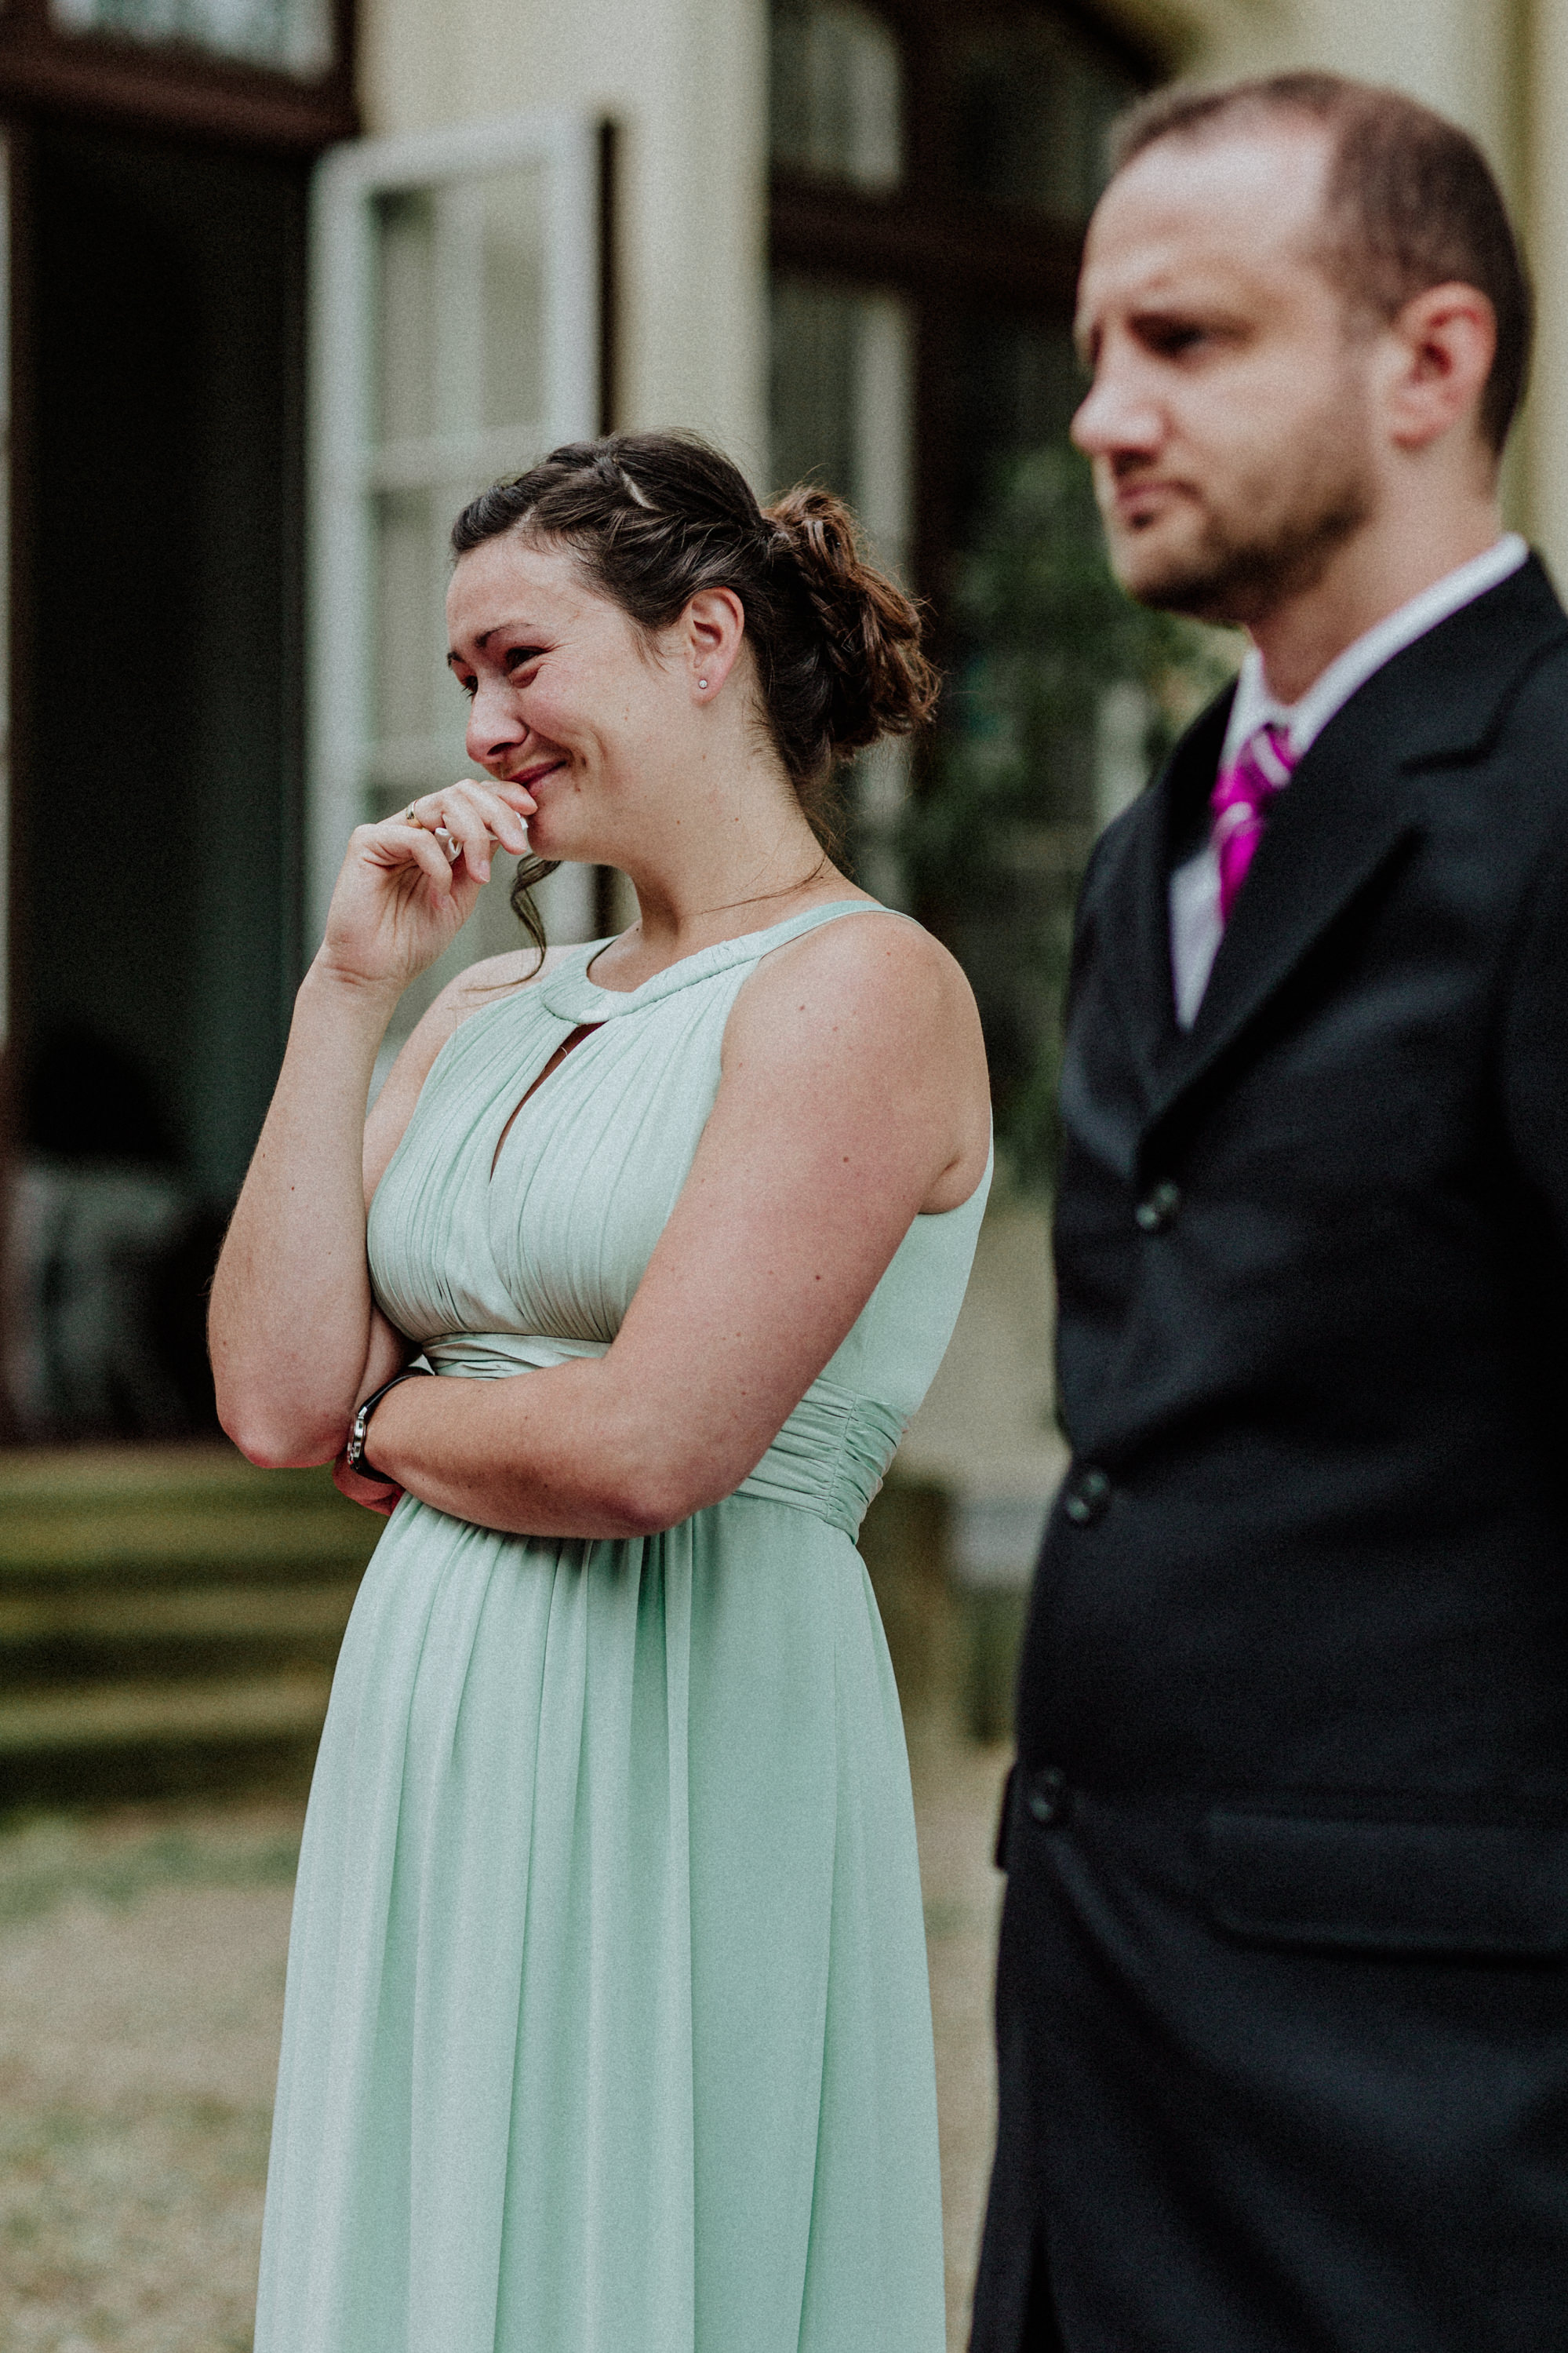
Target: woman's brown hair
<point>655,518</point>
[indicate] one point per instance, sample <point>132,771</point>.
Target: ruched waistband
<point>829,1458</point>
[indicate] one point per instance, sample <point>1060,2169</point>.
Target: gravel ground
<point>142,1961</point>
<point>958,1787</point>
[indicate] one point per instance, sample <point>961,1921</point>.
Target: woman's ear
<point>711,630</point>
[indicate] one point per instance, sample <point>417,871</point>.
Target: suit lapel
<point>1138,954</point>
<point>1350,807</point>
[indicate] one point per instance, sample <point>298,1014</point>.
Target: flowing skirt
<point>607,2026</point>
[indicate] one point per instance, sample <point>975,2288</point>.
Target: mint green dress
<point>607,2026</point>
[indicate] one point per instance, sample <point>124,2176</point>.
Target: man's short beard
<point>1241,578</point>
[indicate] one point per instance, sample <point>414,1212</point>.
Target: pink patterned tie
<point>1240,801</point>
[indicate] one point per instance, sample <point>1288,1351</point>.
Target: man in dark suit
<point>1282,2000</point>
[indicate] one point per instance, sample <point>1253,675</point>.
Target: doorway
<point>156,803</point>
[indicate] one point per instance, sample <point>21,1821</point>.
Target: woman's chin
<point>567,845</point>
<point>563,846</point>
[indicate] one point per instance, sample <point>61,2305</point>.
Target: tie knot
<point>1239,802</point>
<point>1262,767</point>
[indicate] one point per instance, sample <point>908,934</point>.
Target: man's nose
<point>1117,415</point>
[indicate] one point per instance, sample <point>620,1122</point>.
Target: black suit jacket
<point>1283,1993</point>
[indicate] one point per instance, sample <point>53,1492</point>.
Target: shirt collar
<point>1303,721</point>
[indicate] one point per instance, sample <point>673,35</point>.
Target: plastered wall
<point>1456,54</point>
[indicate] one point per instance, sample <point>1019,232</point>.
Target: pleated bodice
<point>538,1261</point>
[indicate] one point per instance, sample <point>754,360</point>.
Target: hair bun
<point>880,682</point>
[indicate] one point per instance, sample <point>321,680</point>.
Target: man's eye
<point>1173,342</point>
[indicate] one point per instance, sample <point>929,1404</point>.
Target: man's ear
<point>1444,343</point>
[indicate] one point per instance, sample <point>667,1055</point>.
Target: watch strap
<point>353,1453</point>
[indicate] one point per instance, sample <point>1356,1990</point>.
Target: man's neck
<point>1371,577</point>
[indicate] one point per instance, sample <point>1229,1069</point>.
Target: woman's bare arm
<point>853,1096</point>
<point>292,1327</point>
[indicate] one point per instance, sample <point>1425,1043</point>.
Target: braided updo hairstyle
<point>655,518</point>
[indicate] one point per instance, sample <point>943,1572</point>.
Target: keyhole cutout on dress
<point>584,1030</point>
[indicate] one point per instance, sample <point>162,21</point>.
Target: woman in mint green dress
<point>607,2025</point>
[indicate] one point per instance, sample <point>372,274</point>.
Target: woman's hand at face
<point>408,885</point>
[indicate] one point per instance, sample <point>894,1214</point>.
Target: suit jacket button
<point>1088,1497</point>
<point>1158,1209</point>
<point>1047,1795</point>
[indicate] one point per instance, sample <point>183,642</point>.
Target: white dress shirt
<point>1195,926</point>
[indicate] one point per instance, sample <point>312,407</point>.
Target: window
<point>1027,127</point>
<point>838,100</point>
<point>456,340</point>
<point>842,407</point>
<point>933,170</point>
<point>292,37</point>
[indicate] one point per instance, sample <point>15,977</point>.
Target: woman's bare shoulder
<point>884,968</point>
<point>869,1011</point>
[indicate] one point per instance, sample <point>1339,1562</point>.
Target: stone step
<point>177,1543</point>
<point>166,1514</point>
<point>169,1619</point>
<point>109,1742</point>
<point>218,1611</point>
<point>49,1475</point>
<point>116,1716</point>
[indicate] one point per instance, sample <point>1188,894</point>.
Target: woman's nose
<point>496,727</point>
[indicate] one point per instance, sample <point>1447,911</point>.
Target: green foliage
<point>995,846</point>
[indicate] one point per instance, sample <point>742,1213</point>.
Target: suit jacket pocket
<point>1466,1890</point>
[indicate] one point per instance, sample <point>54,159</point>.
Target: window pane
<point>841,402</point>
<point>294,36</point>
<point>842,415</point>
<point>512,241</point>
<point>1059,691</point>
<point>1033,106</point>
<point>404,313</point>
<point>459,307</point>
<point>409,584</point>
<point>812,384</point>
<point>838,98</point>
<point>1018,765</point>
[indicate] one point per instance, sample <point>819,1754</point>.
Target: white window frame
<point>345,473</point>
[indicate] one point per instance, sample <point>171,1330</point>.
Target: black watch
<point>353,1453</point>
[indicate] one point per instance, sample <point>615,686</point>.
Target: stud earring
<point>702,682</point>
